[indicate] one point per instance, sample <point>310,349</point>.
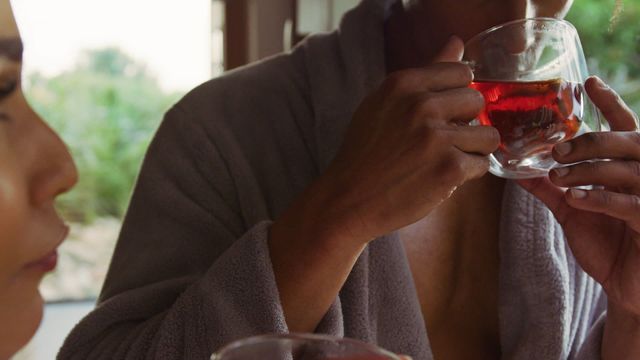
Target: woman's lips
<point>49,261</point>
<point>45,264</point>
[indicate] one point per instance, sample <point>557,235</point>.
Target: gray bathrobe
<point>191,270</point>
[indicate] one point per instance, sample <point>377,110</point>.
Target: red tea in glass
<point>530,116</point>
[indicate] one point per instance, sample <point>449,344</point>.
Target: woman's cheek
<point>20,300</point>
<point>14,207</point>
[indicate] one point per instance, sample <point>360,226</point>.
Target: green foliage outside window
<point>613,50</point>
<point>106,109</point>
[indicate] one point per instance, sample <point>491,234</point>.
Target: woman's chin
<point>24,319</point>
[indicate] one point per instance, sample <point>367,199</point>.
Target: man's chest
<point>454,259</point>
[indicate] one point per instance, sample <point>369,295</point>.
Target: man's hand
<point>408,148</point>
<point>603,225</point>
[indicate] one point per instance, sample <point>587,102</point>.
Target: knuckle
<point>493,135</point>
<point>454,169</point>
<point>484,164</point>
<point>635,137</point>
<point>471,100</point>
<point>426,137</point>
<point>592,139</point>
<point>427,105</point>
<point>635,203</point>
<point>477,97</point>
<point>453,71</point>
<point>634,168</point>
<point>477,169</point>
<point>465,73</point>
<point>395,82</point>
<point>605,198</point>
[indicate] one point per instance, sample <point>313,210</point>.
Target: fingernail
<point>563,148</point>
<point>560,172</point>
<point>578,194</point>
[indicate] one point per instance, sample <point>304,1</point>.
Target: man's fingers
<point>480,140</point>
<point>457,105</point>
<point>620,206</point>
<point>599,145</point>
<point>473,166</point>
<point>616,174</point>
<point>452,51</point>
<point>614,109</point>
<point>550,195</point>
<point>435,77</point>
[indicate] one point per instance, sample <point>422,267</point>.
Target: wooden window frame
<point>236,34</point>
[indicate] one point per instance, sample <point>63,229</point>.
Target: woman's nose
<point>54,172</point>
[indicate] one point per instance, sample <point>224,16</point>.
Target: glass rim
<point>495,28</point>
<point>300,337</point>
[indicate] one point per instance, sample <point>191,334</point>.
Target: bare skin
<point>453,254</point>
<point>374,187</point>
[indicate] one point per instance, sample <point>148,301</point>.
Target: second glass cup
<point>301,347</point>
<point>531,73</point>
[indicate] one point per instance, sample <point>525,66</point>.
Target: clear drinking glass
<point>301,347</point>
<point>531,73</point>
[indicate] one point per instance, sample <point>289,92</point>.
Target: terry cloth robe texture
<point>191,270</point>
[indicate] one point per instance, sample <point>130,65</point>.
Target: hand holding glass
<point>531,74</point>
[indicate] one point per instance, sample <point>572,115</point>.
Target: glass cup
<point>531,73</point>
<point>301,347</point>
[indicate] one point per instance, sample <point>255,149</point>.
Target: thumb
<point>451,52</point>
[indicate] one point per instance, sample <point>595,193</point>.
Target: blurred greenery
<point>613,50</point>
<point>106,109</point>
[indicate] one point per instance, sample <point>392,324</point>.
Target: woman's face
<point>35,167</point>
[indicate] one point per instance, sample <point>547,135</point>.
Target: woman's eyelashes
<point>7,87</point>
<point>9,76</point>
